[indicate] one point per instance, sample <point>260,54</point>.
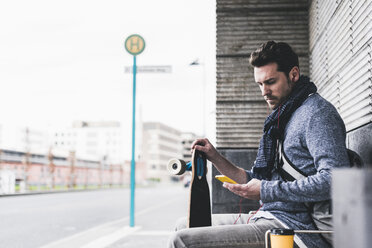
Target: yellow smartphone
<point>223,179</point>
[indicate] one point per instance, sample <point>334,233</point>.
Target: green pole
<point>133,163</point>
<point>134,45</point>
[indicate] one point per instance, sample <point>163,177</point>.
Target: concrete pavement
<point>153,226</point>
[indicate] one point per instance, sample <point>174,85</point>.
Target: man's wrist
<point>264,192</point>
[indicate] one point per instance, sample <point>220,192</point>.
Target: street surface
<point>92,218</point>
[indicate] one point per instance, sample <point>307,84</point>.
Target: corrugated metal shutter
<point>242,25</point>
<point>341,57</point>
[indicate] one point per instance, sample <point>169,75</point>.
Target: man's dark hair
<point>280,53</point>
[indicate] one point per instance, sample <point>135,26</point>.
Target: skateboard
<point>199,212</point>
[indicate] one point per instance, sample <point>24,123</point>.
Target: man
<point>313,138</point>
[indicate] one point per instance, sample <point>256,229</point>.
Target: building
<point>23,139</point>
<point>187,140</point>
<point>92,140</point>
<point>32,171</point>
<point>35,158</point>
<point>160,143</point>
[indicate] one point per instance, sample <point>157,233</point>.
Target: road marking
<point>100,232</point>
<point>111,238</point>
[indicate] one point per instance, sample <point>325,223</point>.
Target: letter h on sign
<point>135,44</point>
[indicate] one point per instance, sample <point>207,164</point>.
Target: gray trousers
<point>223,232</point>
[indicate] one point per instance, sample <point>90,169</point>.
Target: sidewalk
<point>155,231</point>
<point>153,226</point>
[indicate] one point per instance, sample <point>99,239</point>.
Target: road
<point>91,219</point>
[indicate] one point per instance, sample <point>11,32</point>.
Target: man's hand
<point>251,190</point>
<point>205,146</point>
<point>220,162</point>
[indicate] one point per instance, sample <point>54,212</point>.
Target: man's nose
<point>265,90</point>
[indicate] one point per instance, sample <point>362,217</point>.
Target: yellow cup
<point>281,238</point>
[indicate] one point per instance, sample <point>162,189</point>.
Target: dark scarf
<point>266,153</point>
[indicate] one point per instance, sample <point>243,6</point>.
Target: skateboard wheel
<point>176,166</point>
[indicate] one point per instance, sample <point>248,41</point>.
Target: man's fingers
<point>239,193</point>
<point>251,191</point>
<point>200,145</point>
<point>239,189</point>
<point>235,187</point>
<point>200,148</point>
<point>198,142</point>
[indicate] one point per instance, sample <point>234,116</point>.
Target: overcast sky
<point>62,61</point>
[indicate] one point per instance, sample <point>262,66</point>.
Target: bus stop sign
<point>134,44</point>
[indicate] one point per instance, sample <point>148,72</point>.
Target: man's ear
<point>294,74</point>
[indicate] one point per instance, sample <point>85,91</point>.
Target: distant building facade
<point>159,144</point>
<point>23,139</point>
<point>187,139</point>
<point>47,171</point>
<point>87,154</point>
<point>92,140</point>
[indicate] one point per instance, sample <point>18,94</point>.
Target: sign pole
<point>134,45</point>
<point>133,162</point>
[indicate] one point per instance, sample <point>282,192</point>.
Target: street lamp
<point>197,63</point>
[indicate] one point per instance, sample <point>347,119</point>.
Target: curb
<point>55,192</point>
<point>79,190</point>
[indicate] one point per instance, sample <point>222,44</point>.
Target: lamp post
<point>197,63</point>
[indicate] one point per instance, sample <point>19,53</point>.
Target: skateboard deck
<point>199,204</point>
<point>199,211</point>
